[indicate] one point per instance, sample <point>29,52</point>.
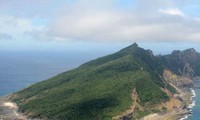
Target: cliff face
<point>178,81</point>
<point>184,63</point>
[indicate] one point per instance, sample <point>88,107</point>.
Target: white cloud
<point>86,26</point>
<point>16,27</point>
<point>172,11</point>
<point>102,20</point>
<point>146,23</point>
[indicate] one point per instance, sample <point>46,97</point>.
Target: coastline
<point>9,110</point>
<point>181,113</point>
<point>191,105</point>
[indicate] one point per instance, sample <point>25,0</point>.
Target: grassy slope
<point>98,89</point>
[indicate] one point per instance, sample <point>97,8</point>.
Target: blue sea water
<point>196,109</point>
<point>21,69</point>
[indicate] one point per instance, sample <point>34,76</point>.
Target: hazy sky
<point>89,25</point>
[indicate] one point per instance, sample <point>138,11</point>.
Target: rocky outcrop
<point>9,110</point>
<point>178,81</point>
<point>183,63</point>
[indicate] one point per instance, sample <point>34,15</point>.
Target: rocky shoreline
<point>9,110</point>
<point>177,113</point>
<point>177,110</point>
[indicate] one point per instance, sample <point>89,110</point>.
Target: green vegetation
<point>99,89</point>
<point>149,93</point>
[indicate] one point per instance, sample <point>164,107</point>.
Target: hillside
<point>184,63</point>
<point>100,89</point>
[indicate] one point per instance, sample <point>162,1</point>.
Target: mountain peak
<point>174,52</point>
<point>134,44</point>
<point>187,51</point>
<point>130,48</point>
<point>110,81</point>
<point>190,50</point>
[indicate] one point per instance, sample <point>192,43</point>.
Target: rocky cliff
<point>183,63</point>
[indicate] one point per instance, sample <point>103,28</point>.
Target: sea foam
<point>185,117</point>
<point>190,106</point>
<point>193,95</point>
<point>193,92</point>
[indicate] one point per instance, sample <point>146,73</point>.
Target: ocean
<point>21,69</point>
<point>196,108</point>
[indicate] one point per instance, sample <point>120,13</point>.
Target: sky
<point>99,25</point>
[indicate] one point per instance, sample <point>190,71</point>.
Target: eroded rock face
<point>178,81</point>
<point>9,110</point>
<point>188,70</point>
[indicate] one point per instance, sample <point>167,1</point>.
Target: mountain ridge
<point>183,63</point>
<point>102,88</point>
